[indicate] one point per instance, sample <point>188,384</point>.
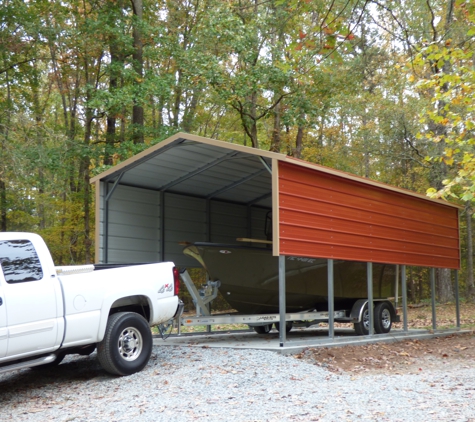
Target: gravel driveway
<point>203,384</point>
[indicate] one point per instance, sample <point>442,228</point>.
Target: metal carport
<point>190,188</point>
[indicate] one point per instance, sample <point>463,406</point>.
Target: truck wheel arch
<point>138,304</point>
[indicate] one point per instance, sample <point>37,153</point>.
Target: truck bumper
<point>179,310</point>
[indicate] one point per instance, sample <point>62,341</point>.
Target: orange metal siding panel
<point>322,215</point>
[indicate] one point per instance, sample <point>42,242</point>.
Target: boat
<point>249,278</point>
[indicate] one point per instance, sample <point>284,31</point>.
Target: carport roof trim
<point>180,137</point>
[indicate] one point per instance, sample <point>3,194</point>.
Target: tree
<point>449,122</point>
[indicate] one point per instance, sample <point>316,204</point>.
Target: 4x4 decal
<point>166,288</point>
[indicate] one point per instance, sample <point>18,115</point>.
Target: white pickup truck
<point>47,312</point>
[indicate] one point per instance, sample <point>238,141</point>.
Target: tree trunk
<point>469,279</point>
<point>111,113</point>
<point>87,201</point>
<point>412,283</point>
<point>177,103</point>
<point>253,121</point>
<point>4,128</point>
<point>439,172</point>
<point>191,111</point>
<point>39,141</point>
<point>444,285</point>
<point>137,112</point>
<point>299,142</point>
<point>3,206</point>
<point>275,138</point>
<point>421,288</point>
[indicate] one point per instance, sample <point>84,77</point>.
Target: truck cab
<point>31,310</point>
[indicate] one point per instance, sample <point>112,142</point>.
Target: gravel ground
<point>204,384</point>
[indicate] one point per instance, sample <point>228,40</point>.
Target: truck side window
<point>19,261</point>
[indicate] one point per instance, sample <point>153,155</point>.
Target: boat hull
<point>249,279</point>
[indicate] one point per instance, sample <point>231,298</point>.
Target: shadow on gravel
<point>74,369</point>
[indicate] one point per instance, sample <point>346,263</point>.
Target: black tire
<point>288,326</point>
<point>362,327</point>
<point>382,318</point>
<point>127,344</point>
<point>263,329</point>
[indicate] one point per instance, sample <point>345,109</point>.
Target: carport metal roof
<point>194,166</point>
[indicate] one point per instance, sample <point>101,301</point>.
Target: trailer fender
<point>357,310</point>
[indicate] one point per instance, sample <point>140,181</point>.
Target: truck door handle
<point>1,301</point>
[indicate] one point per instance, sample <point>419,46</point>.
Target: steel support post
<point>162,226</point>
<point>457,299</point>
<point>404,297</point>
<point>396,288</point>
<point>108,196</point>
<point>282,310</point>
<point>331,301</point>
<point>370,297</point>
<point>105,255</point>
<point>208,220</point>
<point>432,294</point>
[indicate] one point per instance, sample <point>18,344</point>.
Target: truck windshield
<point>19,261</point>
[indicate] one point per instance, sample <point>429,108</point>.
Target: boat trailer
<point>262,323</point>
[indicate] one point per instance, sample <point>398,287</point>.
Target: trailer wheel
<point>362,327</point>
<point>262,329</point>
<point>288,326</point>
<point>382,318</point>
<point>127,344</point>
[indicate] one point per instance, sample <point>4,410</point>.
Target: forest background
<point>380,88</point>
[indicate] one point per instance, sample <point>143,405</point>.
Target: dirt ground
<point>409,356</point>
<point>404,357</point>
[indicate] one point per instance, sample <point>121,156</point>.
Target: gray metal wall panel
<point>258,222</point>
<point>134,225</point>
<point>185,222</point>
<point>228,222</point>
<point>124,257</point>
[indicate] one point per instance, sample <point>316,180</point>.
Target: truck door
<point>29,300</point>
<point>3,323</point>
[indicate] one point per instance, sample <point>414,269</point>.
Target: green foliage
<point>371,88</point>
<point>452,109</point>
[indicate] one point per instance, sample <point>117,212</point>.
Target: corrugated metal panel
<point>206,171</point>
<point>258,226</point>
<point>133,226</point>
<point>323,215</point>
<point>228,222</point>
<point>185,222</point>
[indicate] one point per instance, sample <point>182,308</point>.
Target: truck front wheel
<point>127,344</point>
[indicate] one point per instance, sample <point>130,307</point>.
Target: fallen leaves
<point>397,358</point>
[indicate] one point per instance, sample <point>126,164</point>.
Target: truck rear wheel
<point>127,344</point>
